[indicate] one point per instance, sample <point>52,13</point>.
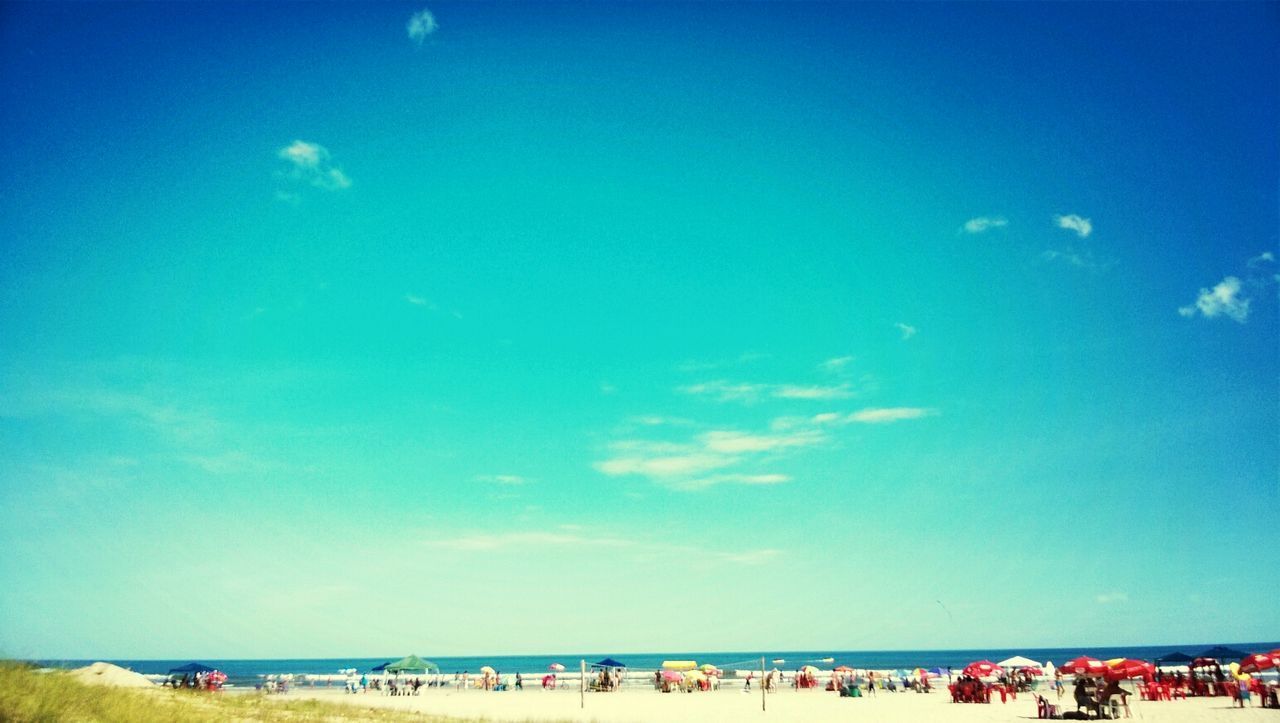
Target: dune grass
<point>30,696</point>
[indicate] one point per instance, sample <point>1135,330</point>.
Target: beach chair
<point>1118,703</point>
<point>1045,709</point>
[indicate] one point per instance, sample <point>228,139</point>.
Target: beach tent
<point>199,668</point>
<point>380,668</point>
<point>1174,657</point>
<point>411,664</point>
<point>1018,661</point>
<point>608,663</point>
<point>1222,653</point>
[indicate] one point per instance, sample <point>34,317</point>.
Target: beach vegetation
<point>28,695</point>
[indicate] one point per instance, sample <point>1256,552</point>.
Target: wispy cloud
<point>420,301</point>
<point>982,224</point>
<point>837,364</point>
<point>907,330</point>
<point>573,538</point>
<point>1266,258</point>
<point>1079,259</point>
<point>881,415</point>
<point>421,24</point>
<point>1082,226</point>
<point>502,479</point>
<point>710,458</point>
<point>734,442</point>
<point>796,391</point>
<point>1225,299</point>
<point>1108,598</point>
<point>726,391</point>
<point>310,163</point>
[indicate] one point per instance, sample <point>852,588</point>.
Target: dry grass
<point>28,695</point>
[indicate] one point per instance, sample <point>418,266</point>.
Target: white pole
<point>582,685</point>
<point>762,682</point>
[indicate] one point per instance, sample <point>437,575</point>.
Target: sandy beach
<point>731,705</point>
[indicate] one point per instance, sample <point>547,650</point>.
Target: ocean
<point>248,673</point>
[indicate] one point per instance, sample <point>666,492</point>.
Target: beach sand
<point>786,706</point>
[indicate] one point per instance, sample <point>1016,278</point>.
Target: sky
<point>351,329</point>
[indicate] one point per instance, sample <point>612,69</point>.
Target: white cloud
<point>1266,257</point>
<point>662,467</point>
<point>983,223</point>
<point>1082,226</point>
<point>502,479</point>
<point>907,330</point>
<point>420,25</point>
<point>572,538</point>
<point>1224,299</point>
<point>730,442</point>
<point>1108,598</point>
<point>419,301</point>
<point>310,163</point>
<point>725,391</point>
<point>714,457</point>
<point>1075,258</point>
<point>882,415</point>
<point>836,364</point>
<point>795,391</point>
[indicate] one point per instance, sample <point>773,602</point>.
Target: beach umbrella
<point>1175,657</point>
<point>1084,665</point>
<point>679,664</point>
<point>556,667</point>
<point>809,669</point>
<point>936,672</point>
<point>1018,661</point>
<point>1125,668</point>
<point>487,669</point>
<point>673,675</point>
<point>982,669</point>
<point>1258,662</point>
<point>710,669</point>
<point>843,669</point>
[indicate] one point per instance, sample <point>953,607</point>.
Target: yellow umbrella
<point>679,664</point>
<point>487,669</point>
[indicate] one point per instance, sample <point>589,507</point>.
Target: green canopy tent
<point>411,664</point>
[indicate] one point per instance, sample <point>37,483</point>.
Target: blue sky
<point>542,319</point>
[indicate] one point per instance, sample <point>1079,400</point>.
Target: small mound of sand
<point>114,675</point>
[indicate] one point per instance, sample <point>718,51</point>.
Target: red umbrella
<point>1084,665</point>
<point>1258,662</point>
<point>1130,668</point>
<point>982,668</point>
<point>1032,670</point>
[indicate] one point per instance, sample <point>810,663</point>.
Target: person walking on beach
<point>519,682</point>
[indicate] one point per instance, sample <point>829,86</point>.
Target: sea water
<point>249,673</point>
